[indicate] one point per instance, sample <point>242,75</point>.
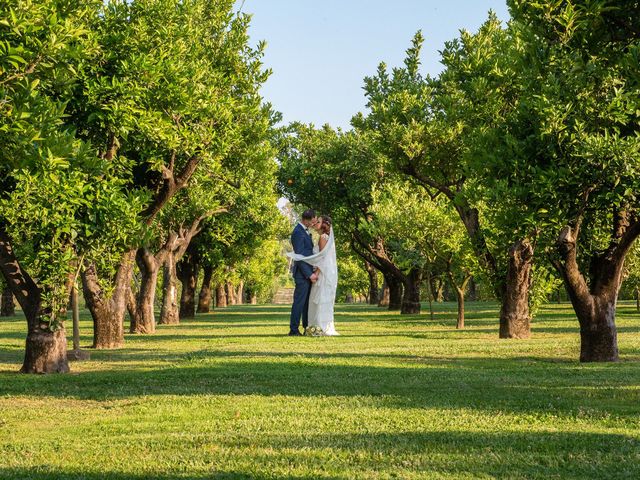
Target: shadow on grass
<point>49,473</point>
<point>531,455</point>
<point>519,385</point>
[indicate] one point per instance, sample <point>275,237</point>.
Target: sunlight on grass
<point>228,395</point>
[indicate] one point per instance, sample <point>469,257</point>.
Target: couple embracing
<point>315,272</point>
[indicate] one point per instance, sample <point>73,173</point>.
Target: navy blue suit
<point>303,245</point>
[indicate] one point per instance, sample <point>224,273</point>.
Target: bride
<point>323,291</point>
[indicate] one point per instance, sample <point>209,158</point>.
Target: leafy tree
<point>60,201</point>
<point>426,235</point>
<point>568,150</point>
<point>427,128</point>
<point>172,86</point>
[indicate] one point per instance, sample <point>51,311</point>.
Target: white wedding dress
<point>323,293</point>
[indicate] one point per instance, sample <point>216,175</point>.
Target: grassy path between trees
<point>229,396</point>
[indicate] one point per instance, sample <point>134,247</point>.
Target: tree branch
<point>23,287</point>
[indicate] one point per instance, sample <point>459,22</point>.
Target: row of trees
<point>518,165</point>
<point>134,141</point>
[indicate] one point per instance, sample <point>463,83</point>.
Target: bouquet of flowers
<point>314,331</point>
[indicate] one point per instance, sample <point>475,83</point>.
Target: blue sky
<point>320,50</point>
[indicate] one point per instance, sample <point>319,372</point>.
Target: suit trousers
<point>300,305</point>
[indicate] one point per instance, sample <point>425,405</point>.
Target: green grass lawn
<point>228,395</point>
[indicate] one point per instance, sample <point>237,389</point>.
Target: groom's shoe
<point>295,333</point>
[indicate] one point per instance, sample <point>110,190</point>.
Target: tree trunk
<point>169,314</point>
<point>142,309</point>
<point>188,276</point>
<point>430,292</point>
<point>240,293</point>
<point>45,349</point>
<point>373,284</point>
<point>395,292</point>
<point>515,320</point>
<point>348,298</point>
<point>108,311</point>
<point>411,297</point>
<point>176,246</point>
<point>46,352</point>
<point>460,300</point>
<point>230,292</point>
<point>384,294</point>
<point>221,296</point>
<point>637,299</point>
<point>598,333</point>
<point>7,308</point>
<point>595,304</point>
<point>204,299</point>
<point>439,289</point>
<point>254,299</point>
<point>473,290</point>
<point>459,290</point>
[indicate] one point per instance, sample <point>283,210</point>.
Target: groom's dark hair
<point>308,214</point>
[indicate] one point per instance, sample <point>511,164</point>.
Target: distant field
<point>228,395</point>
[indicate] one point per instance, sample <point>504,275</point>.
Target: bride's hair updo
<point>326,224</point>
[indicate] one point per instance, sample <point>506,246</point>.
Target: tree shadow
<point>46,472</point>
<point>432,453</point>
<point>524,385</point>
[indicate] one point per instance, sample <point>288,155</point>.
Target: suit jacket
<point>303,245</point>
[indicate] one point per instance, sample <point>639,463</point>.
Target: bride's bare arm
<point>322,242</point>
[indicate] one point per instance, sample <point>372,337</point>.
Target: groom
<point>303,273</point>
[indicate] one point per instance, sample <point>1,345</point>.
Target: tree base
<point>599,345</point>
<point>170,320</point>
<point>410,308</point>
<point>46,352</point>
<point>107,345</point>
<point>516,328</point>
<point>143,330</point>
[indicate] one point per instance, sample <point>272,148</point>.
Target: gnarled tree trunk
<point>45,349</point>
<point>438,290</point>
<point>108,311</point>
<point>188,276</point>
<point>411,297</point>
<point>515,320</point>
<point>395,292</point>
<point>221,296</point>
<point>7,307</point>
<point>230,292</point>
<point>373,283</point>
<point>595,304</point>
<point>240,293</point>
<point>141,306</point>
<point>384,294</point>
<point>172,251</point>
<point>169,313</point>
<point>204,299</point>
